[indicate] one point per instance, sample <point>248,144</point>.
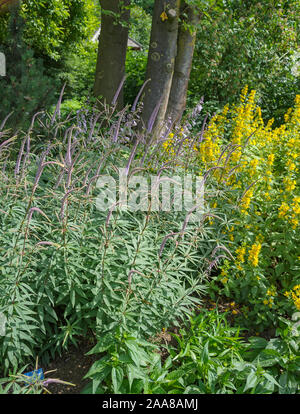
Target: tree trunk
<point>183,63</point>
<point>112,49</point>
<point>161,59</point>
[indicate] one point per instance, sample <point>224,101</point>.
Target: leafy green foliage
<point>136,61</point>
<point>125,366</point>
<point>59,39</point>
<point>79,71</point>
<point>67,267</point>
<point>247,43</point>
<point>25,89</point>
<point>147,5</point>
<point>55,27</point>
<point>210,358</point>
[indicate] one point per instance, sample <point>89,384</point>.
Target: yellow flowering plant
<point>256,168</point>
<point>265,163</point>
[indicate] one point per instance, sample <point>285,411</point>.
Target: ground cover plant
<point>210,357</point>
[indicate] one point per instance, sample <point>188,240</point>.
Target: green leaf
<point>258,343</point>
<point>271,379</point>
<point>184,370</point>
<point>251,381</point>
<point>205,353</point>
<point>103,345</point>
<point>99,367</point>
<point>134,373</point>
<point>288,383</point>
<point>117,376</point>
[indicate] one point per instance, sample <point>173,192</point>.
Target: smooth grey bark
<point>183,63</point>
<point>161,59</point>
<point>112,49</point>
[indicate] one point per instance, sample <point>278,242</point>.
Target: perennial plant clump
<point>68,268</point>
<point>257,167</point>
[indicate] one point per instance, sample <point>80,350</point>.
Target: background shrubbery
<point>260,52</point>
<point>249,43</point>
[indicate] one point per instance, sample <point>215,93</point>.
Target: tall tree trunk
<point>183,63</point>
<point>161,59</point>
<point>112,49</point>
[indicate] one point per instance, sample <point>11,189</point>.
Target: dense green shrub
<point>55,42</point>
<point>252,43</point>
<point>25,89</point>
<point>66,266</point>
<point>57,29</point>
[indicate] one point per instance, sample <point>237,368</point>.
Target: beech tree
<point>161,59</point>
<point>112,48</point>
<point>171,48</point>
<point>186,39</point>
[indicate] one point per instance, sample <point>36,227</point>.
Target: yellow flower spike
<point>283,209</point>
<point>294,223</point>
<point>267,196</point>
<point>254,253</point>
<point>271,158</point>
<point>241,251</point>
<point>291,166</point>
<point>245,203</point>
<point>296,209</point>
<point>296,287</point>
<point>290,185</point>
<point>244,93</point>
